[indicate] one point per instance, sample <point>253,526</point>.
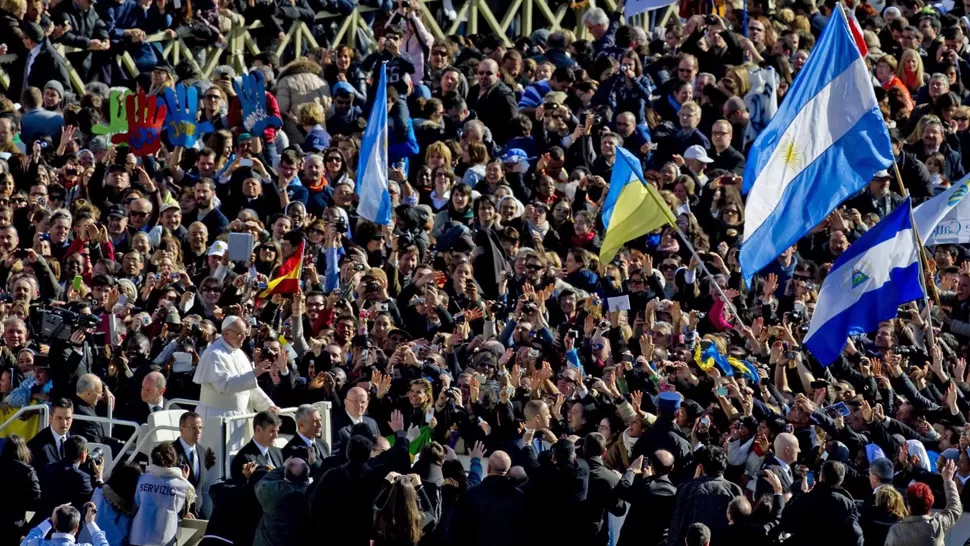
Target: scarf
<point>582,240</point>
<point>542,229</point>
<point>463,217</point>
<point>628,441</point>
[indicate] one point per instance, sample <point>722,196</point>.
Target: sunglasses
<point>668,267</point>
<point>485,73</point>
<point>213,97</point>
<point>315,231</point>
<point>335,159</point>
<point>961,118</point>
<point>212,289</point>
<point>533,267</point>
<point>803,278</point>
<point>597,346</point>
<point>636,281</point>
<point>137,213</point>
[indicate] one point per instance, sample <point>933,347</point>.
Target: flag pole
<point>690,247</point>
<point>929,287</point>
<point>710,276</point>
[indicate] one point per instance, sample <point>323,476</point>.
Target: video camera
<point>54,323</point>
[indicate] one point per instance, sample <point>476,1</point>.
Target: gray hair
<point>942,77</point>
<point>87,383</point>
<point>596,16</point>
<point>304,411</point>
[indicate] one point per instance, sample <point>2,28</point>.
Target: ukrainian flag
<point>633,208</point>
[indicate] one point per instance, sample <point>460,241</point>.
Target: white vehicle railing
<point>181,402</point>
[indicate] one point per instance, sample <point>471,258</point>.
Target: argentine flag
<point>867,283</point>
<point>375,199</point>
<point>821,147</point>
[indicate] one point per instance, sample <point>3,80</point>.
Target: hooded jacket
<point>300,82</point>
<point>162,495</point>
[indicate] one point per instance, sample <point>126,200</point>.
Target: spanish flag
<point>287,280</point>
<point>632,208</point>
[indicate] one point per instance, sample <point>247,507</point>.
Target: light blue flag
<point>375,199</point>
<point>821,147</point>
<point>867,284</point>
<point>633,7</point>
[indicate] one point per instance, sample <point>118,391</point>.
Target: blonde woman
<point>910,71</point>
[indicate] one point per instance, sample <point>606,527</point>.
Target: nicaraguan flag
<point>942,219</point>
<point>867,283</point>
<point>375,199</point>
<point>823,146</point>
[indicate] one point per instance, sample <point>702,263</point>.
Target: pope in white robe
<point>228,381</point>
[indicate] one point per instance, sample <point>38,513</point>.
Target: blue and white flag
<point>821,147</point>
<point>633,7</point>
<point>945,219</point>
<point>867,283</point>
<point>375,199</point>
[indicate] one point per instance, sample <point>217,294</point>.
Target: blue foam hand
<point>252,97</point>
<point>181,125</point>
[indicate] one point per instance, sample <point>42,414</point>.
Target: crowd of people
<point>490,380</point>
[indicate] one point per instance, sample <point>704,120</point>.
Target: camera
<point>381,308</point>
<point>796,316</point>
<point>529,308</point>
<point>572,333</point>
<point>340,224</point>
<point>96,454</point>
<point>358,267</point>
<point>372,286</point>
<point>710,20</point>
<point>459,318</point>
<point>58,324</point>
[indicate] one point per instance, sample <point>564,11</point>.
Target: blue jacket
<point>128,14</point>
<point>533,95</point>
<point>36,536</point>
<point>39,123</point>
<point>113,523</point>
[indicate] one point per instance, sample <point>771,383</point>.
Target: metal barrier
<point>105,420</point>
<point>44,410</point>
<point>180,402</point>
<point>525,14</point>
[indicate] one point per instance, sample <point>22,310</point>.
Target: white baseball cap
<point>698,153</point>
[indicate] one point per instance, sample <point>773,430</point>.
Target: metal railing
<point>521,17</point>
<point>111,421</point>
<point>180,402</point>
<point>44,410</point>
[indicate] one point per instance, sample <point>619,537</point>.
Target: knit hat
<point>56,86</point>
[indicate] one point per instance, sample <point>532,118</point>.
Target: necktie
<point>60,448</point>
<point>538,445</point>
<point>193,464</point>
<point>156,408</point>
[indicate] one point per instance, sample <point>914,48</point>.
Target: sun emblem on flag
<point>790,154</point>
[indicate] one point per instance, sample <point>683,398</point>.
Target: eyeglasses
<point>485,73</point>
<point>804,278</point>
<point>439,53</point>
<point>635,281</point>
<point>533,267</point>
<point>597,346</point>
<point>213,97</point>
<point>212,289</point>
<point>137,213</point>
<point>668,267</point>
<point>961,118</point>
<point>334,159</point>
<point>315,231</point>
<point>732,212</point>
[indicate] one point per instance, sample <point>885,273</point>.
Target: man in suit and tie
<point>152,399</point>
<point>191,455</point>
<point>307,442</point>
<point>65,521</point>
<point>48,445</point>
<point>259,450</point>
<point>785,453</point>
<point>42,63</point>
<point>354,410</point>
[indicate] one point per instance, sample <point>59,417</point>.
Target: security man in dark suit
<point>48,445</point>
<point>259,450</point>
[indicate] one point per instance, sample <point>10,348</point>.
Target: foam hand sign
<point>145,119</point>
<point>180,124</point>
<point>117,121</point>
<point>252,96</point>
